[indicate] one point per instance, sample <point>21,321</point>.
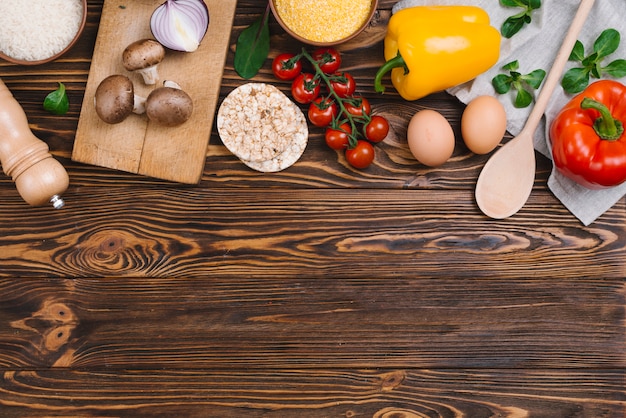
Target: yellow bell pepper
<point>432,48</point>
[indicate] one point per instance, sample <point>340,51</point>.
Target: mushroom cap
<point>169,106</point>
<point>114,98</point>
<point>142,54</point>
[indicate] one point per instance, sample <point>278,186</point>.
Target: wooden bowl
<point>81,27</point>
<point>281,22</point>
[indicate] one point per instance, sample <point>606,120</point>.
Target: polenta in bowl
<point>323,22</point>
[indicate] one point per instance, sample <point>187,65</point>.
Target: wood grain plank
<point>300,323</point>
<point>195,232</point>
<point>317,393</point>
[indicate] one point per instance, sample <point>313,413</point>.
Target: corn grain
<point>323,20</point>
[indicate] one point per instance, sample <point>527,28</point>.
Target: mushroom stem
<point>139,105</point>
<point>172,84</point>
<point>150,75</point>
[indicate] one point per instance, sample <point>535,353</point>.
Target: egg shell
<point>430,138</point>
<point>483,124</point>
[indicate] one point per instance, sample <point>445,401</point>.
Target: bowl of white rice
<point>34,32</point>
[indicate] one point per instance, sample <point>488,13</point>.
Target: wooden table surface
<point>319,291</point>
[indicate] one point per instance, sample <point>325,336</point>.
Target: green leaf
<point>596,70</point>
<point>578,52</point>
<point>512,3</point>
<point>523,99</point>
<point>590,61</point>
<point>501,83</point>
<point>575,80</point>
<point>616,69</point>
<point>515,23</point>
<point>253,47</point>
<point>607,43</point>
<point>511,66</point>
<point>535,78</point>
<point>57,102</point>
<point>511,26</point>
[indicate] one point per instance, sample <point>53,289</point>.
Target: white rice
<point>34,30</point>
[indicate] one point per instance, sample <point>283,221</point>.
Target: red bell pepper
<point>587,136</point>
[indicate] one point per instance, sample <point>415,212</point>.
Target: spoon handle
<point>557,67</point>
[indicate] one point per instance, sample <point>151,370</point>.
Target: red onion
<point>180,24</point>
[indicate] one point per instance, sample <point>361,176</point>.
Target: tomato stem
<point>352,136</point>
<point>606,126</point>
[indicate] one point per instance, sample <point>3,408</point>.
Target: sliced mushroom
<point>115,99</point>
<point>169,105</point>
<point>144,56</point>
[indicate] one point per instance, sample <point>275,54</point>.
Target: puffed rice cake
<point>262,127</point>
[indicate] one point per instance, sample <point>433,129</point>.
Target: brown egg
<point>430,138</point>
<point>483,124</point>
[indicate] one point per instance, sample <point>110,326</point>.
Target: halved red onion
<point>180,24</point>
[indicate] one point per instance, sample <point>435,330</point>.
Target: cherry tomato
<point>305,88</point>
<point>328,59</point>
<point>343,84</point>
<point>358,106</point>
<point>285,67</point>
<point>338,138</point>
<point>377,129</point>
<point>322,111</point>
<point>362,155</point>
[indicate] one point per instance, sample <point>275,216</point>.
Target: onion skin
<point>180,25</point>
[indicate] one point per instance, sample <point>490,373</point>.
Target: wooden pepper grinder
<point>39,178</point>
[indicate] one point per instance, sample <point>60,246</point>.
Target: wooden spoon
<point>507,179</point>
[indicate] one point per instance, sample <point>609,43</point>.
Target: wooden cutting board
<point>135,145</point>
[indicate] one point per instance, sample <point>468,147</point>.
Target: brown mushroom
<point>144,56</point>
<point>115,99</point>
<point>169,105</point>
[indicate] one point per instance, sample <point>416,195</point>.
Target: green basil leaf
<point>253,47</point>
<point>511,66</point>
<point>616,69</point>
<point>518,82</point>
<point>515,23</point>
<point>578,52</point>
<point>501,83</point>
<point>575,80</point>
<point>523,99</point>
<point>595,71</point>
<point>590,61</point>
<point>512,3</point>
<point>607,43</point>
<point>535,78</point>
<point>511,26</point>
<point>57,101</point>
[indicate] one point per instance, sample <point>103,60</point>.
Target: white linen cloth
<point>535,47</point>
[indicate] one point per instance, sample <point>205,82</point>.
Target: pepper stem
<point>606,126</point>
<point>395,62</point>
